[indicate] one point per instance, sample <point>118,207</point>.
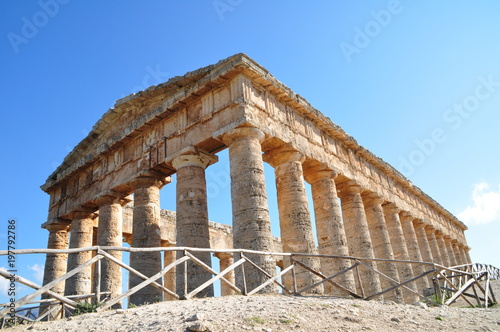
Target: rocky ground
<point>280,313</point>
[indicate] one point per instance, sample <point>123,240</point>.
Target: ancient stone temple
<point>362,206</point>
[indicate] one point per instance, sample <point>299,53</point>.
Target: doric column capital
<point>283,155</point>
<point>242,133</point>
<point>223,255</point>
<point>418,223</point>
<point>111,197</point>
<point>194,159</point>
<point>391,208</point>
<point>57,227</point>
<point>439,234</point>
<point>348,188</point>
<point>429,229</point>
<point>150,180</point>
<point>370,198</point>
<point>406,216</point>
<point>312,176</point>
<point>82,214</point>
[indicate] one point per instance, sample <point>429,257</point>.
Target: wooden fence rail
<point>450,283</point>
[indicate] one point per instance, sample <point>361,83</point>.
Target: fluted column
<point>330,229</point>
<point>146,233</point>
<point>109,233</point>
<point>391,212</point>
<point>81,230</point>
<point>413,248</point>
<point>431,237</point>
<point>192,220</point>
<point>456,252</point>
<point>251,221</point>
<point>55,264</point>
<point>423,242</point>
<point>358,235</point>
<point>462,254</point>
<point>449,250</point>
<point>295,218</point>
<point>467,254</point>
<point>381,243</point>
<point>442,248</point>
<point>226,260</point>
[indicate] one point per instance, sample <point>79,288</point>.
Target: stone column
<point>109,234</point>
<point>81,230</point>
<point>295,218</point>
<point>462,254</point>
<point>381,244</point>
<point>467,254</point>
<point>251,221</point>
<point>431,237</point>
<point>192,220</point>
<point>449,250</point>
<point>330,230</point>
<point>358,235</point>
<point>413,248</point>
<point>226,260</point>
<point>169,279</point>
<point>391,212</point>
<point>456,252</point>
<point>442,248</point>
<point>423,242</point>
<point>55,264</point>
<point>146,233</point>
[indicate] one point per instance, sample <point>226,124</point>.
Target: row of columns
<point>361,224</point>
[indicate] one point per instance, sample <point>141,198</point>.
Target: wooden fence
<point>470,282</point>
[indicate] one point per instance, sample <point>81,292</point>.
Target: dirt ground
<point>281,313</point>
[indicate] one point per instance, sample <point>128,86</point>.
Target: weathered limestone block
<point>55,264</point>
<point>381,242</point>
<point>358,234</point>
<point>226,260</point>
<point>81,230</point>
<point>442,248</point>
<point>391,212</point>
<point>330,229</point>
<point>109,233</point>
<point>192,220</point>
<point>251,221</point>
<point>431,237</point>
<point>295,218</point>
<point>413,248</point>
<point>146,233</point>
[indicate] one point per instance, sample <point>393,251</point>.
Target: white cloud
<point>485,206</point>
<point>38,275</point>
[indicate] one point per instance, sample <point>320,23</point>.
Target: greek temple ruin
<point>107,190</point>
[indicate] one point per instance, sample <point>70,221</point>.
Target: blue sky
<point>417,83</point>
